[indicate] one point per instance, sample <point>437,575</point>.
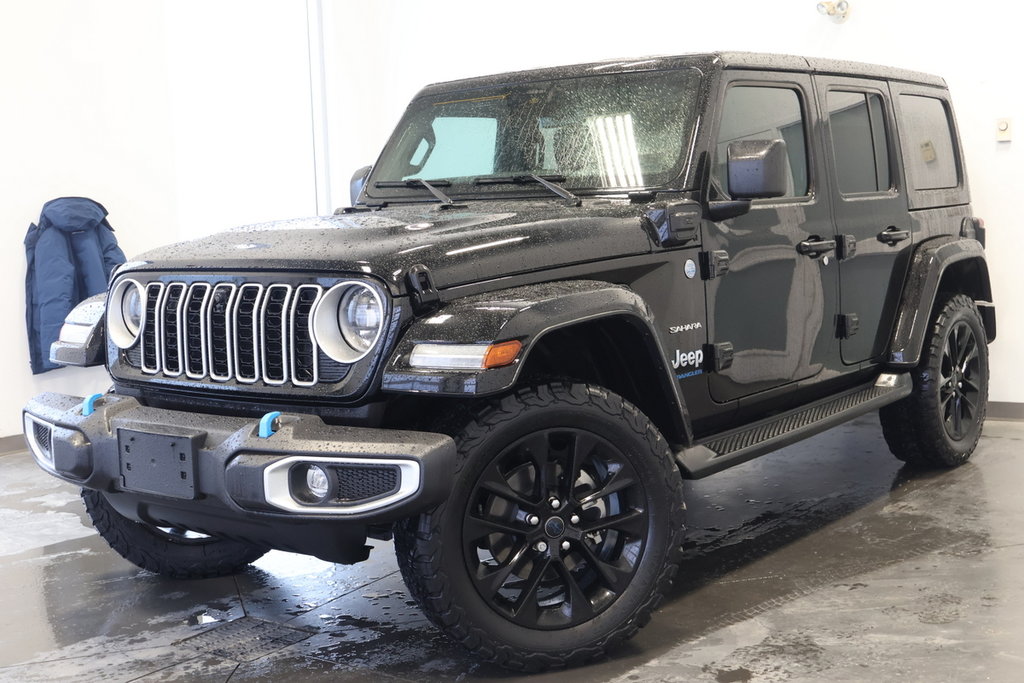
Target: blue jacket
<point>71,254</point>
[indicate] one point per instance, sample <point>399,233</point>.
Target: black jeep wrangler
<point>557,294</point>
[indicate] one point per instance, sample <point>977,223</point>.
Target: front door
<point>775,305</point>
<point>870,210</point>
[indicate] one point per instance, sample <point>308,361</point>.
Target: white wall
<point>381,53</point>
<point>182,118</point>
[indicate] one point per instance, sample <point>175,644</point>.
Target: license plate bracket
<point>164,464</point>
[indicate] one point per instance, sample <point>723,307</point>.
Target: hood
<point>461,245</point>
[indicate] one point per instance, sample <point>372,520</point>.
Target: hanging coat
<point>71,253</point>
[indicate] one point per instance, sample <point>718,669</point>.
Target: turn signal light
<point>500,355</point>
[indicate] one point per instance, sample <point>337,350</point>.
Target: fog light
<point>309,484</point>
<point>317,482</point>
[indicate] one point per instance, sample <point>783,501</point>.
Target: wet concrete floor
<point>824,561</point>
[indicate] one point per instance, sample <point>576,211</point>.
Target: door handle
<point>892,236</point>
<point>815,247</point>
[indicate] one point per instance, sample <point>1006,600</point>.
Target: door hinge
<point>847,325</point>
<point>718,357</point>
<point>846,247</point>
<point>713,264</point>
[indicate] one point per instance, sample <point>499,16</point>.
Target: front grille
<point>171,312</point>
<point>150,332</point>
<point>227,331</point>
<point>306,356</point>
<point>196,304</point>
<point>360,482</point>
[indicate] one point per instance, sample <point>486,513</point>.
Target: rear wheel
<point>561,534</point>
<point>173,552</point>
<point>939,424</point>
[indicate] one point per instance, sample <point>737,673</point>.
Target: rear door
<point>873,229</point>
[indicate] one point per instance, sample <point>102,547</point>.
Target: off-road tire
<point>160,552</point>
<point>915,427</point>
<point>430,547</point>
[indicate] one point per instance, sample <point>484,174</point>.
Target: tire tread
<point>144,548</point>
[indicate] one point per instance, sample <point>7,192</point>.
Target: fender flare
<point>526,314</point>
<point>929,263</point>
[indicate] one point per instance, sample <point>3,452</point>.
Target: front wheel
<point>561,534</point>
<point>173,552</point>
<point>939,424</point>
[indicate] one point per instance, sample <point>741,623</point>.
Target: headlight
<point>125,313</point>
<point>131,309</point>
<point>348,321</point>
<point>360,315</point>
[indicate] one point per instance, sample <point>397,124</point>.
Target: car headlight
<point>131,310</point>
<point>125,313</point>
<point>348,321</point>
<point>360,315</point>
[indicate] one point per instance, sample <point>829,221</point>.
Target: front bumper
<point>216,475</point>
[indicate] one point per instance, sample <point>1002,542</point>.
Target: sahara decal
<point>686,327</point>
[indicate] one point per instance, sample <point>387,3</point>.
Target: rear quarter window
<point>930,155</point>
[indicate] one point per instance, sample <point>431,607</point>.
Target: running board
<point>748,442</point>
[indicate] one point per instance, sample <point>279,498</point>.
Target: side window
<point>764,113</point>
<point>930,157</point>
<point>859,141</point>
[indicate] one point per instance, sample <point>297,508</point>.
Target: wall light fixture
<point>837,11</point>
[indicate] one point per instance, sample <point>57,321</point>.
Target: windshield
<point>607,132</point>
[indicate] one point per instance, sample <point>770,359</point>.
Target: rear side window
<point>929,151</point>
<point>859,141</point>
<point>764,113</point>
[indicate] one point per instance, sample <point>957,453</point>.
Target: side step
<point>748,442</point>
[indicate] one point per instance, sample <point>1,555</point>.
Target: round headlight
<point>125,313</point>
<point>131,309</point>
<point>359,316</point>
<point>348,321</point>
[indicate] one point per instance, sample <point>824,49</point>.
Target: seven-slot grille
<point>246,332</point>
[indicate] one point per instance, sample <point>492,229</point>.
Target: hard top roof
<point>706,61</point>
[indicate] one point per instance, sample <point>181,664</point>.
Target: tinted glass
<point>611,131</point>
<point>928,143</point>
<point>859,141</point>
<point>763,113</point>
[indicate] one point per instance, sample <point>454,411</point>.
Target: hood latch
<point>422,293</point>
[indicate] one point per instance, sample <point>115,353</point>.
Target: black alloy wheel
<point>960,386</point>
<point>554,528</point>
<point>561,533</point>
<point>939,423</point>
<point>176,534</point>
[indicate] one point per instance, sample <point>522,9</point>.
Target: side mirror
<point>355,186</point>
<point>757,169</point>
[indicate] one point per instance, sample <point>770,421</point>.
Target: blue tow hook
<point>267,424</point>
<point>89,404</point>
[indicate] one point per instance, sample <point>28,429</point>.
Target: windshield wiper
<point>414,182</point>
<point>547,181</point>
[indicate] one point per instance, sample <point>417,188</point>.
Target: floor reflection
<point>819,522</point>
